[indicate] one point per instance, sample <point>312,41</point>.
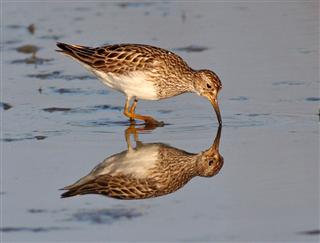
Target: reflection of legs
<point>131,130</point>
<point>132,116</point>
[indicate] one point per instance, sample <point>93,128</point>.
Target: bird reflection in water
<point>147,170</point>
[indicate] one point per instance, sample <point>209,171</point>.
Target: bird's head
<point>210,161</point>
<point>209,164</point>
<point>208,84</point>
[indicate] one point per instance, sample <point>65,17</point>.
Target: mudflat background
<point>58,122</point>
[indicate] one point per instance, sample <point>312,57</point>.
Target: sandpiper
<point>148,170</point>
<point>145,72</point>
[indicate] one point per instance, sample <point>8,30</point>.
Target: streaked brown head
<point>208,84</point>
<point>210,161</point>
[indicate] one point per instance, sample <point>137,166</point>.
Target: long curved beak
<point>215,105</point>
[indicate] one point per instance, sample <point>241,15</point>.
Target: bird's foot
<point>151,122</point>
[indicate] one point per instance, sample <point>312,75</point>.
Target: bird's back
<point>123,58</point>
<point>143,71</point>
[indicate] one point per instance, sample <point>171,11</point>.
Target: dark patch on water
<point>183,16</point>
<point>287,82</point>
<point>164,111</point>
<point>30,229</point>
<point>310,232</point>
<point>55,132</point>
<point>105,216</point>
<point>5,106</point>
<point>15,26</point>
<point>134,4</point>
<point>292,131</point>
<point>77,77</point>
<point>51,37</point>
<point>313,99</point>
<point>66,90</point>
<point>40,137</point>
<point>253,114</point>
<point>107,107</point>
<point>32,60</point>
<point>239,98</point>
<point>98,123</point>
<point>54,74</point>
<point>31,28</point>
<point>304,51</point>
<point>258,114</point>
<point>192,48</point>
<point>82,110</point>
<point>58,75</point>
<point>37,210</point>
<point>37,137</point>
<point>57,109</point>
<point>2,193</point>
<point>10,42</point>
<point>28,49</point>
<point>12,139</point>
<point>78,91</point>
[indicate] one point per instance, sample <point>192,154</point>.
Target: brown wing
<point>120,186</point>
<point>120,59</point>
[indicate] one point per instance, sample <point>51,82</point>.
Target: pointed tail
<point>81,53</point>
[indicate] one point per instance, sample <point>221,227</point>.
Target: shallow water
<point>58,122</point>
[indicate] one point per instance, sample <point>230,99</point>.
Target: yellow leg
<point>132,116</point>
<point>133,107</point>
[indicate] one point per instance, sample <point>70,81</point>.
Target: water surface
<point>59,122</point>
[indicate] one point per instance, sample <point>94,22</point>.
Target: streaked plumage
<point>149,170</point>
<point>144,72</point>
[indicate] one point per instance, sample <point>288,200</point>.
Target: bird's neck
<point>196,81</point>
<point>177,84</point>
<point>182,165</point>
<point>190,81</point>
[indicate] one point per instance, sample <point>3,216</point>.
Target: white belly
<point>136,163</point>
<point>134,85</point>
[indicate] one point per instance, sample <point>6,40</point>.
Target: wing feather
<point>118,59</point>
<point>120,186</point>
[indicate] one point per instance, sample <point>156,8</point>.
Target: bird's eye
<point>210,162</point>
<point>208,86</point>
